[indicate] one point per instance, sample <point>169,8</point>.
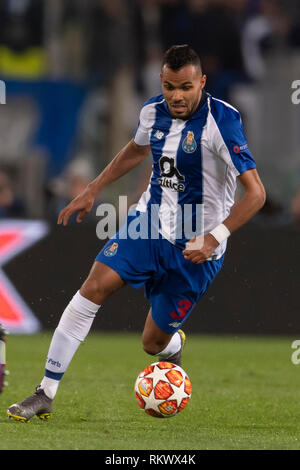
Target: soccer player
<point>199,149</point>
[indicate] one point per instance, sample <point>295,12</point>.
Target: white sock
<point>72,329</point>
<point>50,386</point>
<point>173,346</point>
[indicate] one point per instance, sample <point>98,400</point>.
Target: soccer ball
<point>163,389</point>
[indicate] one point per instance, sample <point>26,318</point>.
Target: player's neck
<point>202,101</point>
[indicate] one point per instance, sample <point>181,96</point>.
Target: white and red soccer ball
<point>163,389</point>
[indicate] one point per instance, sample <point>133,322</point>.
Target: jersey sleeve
<point>142,132</point>
<point>229,141</point>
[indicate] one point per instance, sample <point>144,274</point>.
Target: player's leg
<point>72,329</point>
<point>154,338</point>
<point>168,346</point>
<point>101,282</point>
<point>173,297</point>
<point>76,322</point>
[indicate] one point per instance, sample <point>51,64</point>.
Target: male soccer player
<point>199,149</point>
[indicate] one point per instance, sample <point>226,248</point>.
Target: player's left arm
<point>228,142</point>
<point>253,200</point>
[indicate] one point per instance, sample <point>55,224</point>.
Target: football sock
<point>173,346</point>
<point>72,329</point>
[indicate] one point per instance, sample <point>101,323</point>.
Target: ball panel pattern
<point>163,389</point>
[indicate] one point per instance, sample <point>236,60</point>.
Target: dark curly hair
<point>177,57</point>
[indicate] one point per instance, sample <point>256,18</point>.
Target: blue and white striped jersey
<point>195,165</point>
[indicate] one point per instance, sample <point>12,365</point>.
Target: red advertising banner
<point>15,237</point>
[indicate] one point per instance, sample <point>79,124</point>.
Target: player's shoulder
<point>148,109</point>
<point>223,112</point>
<point>154,100</point>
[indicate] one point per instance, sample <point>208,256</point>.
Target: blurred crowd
<point>113,49</point>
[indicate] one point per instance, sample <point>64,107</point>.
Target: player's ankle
<point>172,348</point>
<point>50,387</point>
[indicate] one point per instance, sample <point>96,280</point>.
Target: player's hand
<point>82,204</point>
<point>200,248</point>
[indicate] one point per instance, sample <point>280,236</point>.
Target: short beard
<point>188,115</point>
<point>183,117</point>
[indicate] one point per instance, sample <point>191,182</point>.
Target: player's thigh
<point>174,298</point>
<point>101,282</point>
<point>154,338</point>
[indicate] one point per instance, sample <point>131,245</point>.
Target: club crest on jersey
<point>111,250</point>
<point>189,144</point>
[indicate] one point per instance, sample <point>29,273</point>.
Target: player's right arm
<point>128,158</point>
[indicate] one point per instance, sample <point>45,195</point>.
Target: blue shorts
<point>173,284</point>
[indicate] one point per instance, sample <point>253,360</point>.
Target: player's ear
<point>203,81</point>
<point>161,73</point>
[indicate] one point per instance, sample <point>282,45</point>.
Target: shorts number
<point>183,308</point>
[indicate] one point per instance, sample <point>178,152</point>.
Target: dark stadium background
<point>257,292</point>
<point>76,74</point>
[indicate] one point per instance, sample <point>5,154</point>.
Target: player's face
<point>182,90</point>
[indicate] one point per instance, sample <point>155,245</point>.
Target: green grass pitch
<point>245,395</point>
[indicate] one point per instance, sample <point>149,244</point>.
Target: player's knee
<point>149,349</point>
<point>101,282</point>
<point>95,290</point>
<point>153,347</point>
<point>91,285</point>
